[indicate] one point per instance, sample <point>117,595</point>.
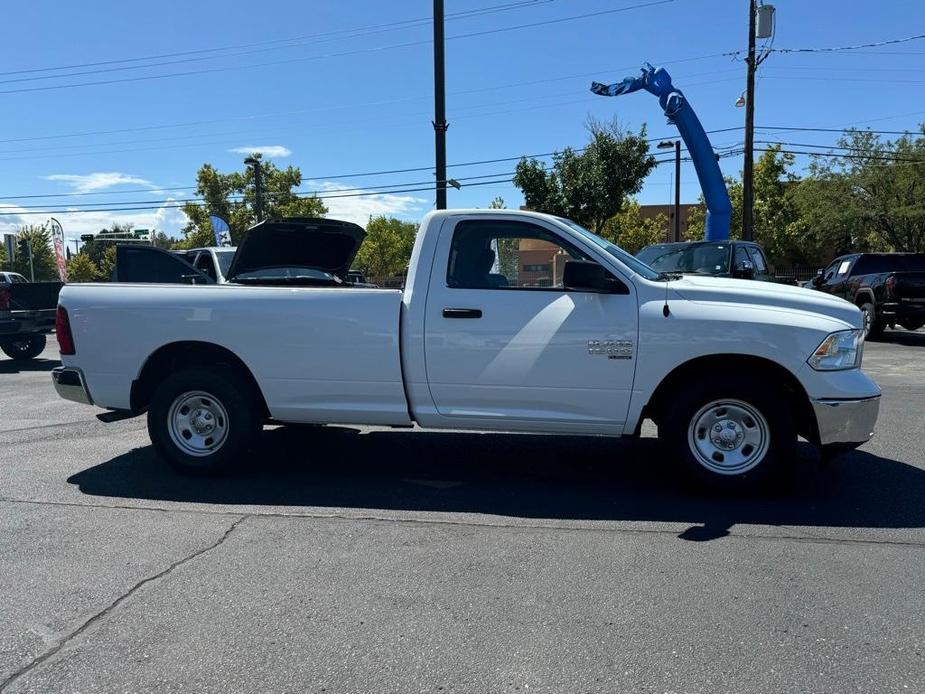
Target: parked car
<point>731,371</point>
<point>146,264</point>
<point>889,288</point>
<point>12,278</point>
<point>741,259</point>
<point>213,261</point>
<point>27,313</point>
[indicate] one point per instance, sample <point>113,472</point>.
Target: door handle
<point>462,313</point>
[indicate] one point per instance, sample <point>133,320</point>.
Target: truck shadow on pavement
<point>522,476</point>
<point>11,366</point>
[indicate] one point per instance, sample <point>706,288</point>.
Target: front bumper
<point>70,384</point>
<point>846,421</point>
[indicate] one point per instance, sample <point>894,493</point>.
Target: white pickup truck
<point>509,321</point>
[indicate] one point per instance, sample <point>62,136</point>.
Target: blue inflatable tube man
<point>679,112</point>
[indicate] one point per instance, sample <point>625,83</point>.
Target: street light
<point>668,144</point>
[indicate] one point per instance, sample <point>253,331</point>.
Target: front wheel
<point>24,347</point>
<point>730,437</point>
<point>202,419</point>
<point>873,326</point>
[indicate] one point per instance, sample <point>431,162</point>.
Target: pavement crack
<point>67,638</point>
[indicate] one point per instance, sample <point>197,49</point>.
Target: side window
<point>844,267</point>
<point>205,265</point>
<point>740,257</point>
<point>761,265</point>
<point>488,254</point>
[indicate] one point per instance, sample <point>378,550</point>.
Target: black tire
<point>911,324</point>
<point>24,347</point>
<point>213,396</point>
<point>767,445</point>
<point>873,325</point>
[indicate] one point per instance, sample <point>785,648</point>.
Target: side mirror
<point>818,279</point>
<point>586,275</point>
<point>744,270</point>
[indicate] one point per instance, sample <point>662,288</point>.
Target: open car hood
<point>323,244</point>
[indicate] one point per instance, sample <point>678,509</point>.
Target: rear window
<point>875,264</point>
<point>913,263</point>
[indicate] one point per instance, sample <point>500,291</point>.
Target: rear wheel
<point>732,437</point>
<point>202,419</point>
<point>24,347</point>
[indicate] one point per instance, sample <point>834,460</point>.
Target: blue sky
<point>308,82</point>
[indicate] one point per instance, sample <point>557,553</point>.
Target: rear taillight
<point>4,299</point>
<point>63,331</point>
<point>890,285</point>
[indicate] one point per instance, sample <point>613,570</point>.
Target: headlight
<point>841,350</point>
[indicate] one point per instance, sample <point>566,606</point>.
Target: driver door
<point>508,347</point>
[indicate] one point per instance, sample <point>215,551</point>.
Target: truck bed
<point>318,354</point>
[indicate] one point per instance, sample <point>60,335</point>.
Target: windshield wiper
<point>668,276</point>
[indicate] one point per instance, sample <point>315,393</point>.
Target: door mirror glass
<point>744,269</point>
<point>586,275</point>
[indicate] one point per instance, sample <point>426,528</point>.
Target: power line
<point>855,47</point>
<point>274,44</point>
<point>372,49</point>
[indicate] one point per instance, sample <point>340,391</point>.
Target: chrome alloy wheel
<point>197,423</point>
<point>728,437</point>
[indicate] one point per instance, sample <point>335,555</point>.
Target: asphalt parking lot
<point>371,560</point>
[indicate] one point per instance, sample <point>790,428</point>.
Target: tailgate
<point>910,286</point>
<point>34,296</point>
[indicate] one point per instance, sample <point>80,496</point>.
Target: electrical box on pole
<point>764,22</point>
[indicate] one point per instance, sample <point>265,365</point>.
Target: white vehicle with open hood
<point>509,321</point>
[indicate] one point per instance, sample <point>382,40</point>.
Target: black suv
<point>889,288</point>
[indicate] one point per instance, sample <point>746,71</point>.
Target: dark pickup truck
<point>889,288</point>
<point>741,259</point>
<point>27,312</point>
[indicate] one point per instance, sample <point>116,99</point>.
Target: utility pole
<point>677,190</point>
<point>439,122</point>
<point>749,167</point>
<point>258,187</point>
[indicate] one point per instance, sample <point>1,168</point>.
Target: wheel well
<point>722,365</point>
<point>181,355</point>
<point>864,297</point>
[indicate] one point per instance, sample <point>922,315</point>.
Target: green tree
<point>590,186</point>
<point>775,215</point>
<point>3,259</point>
<point>105,239</point>
<point>386,249</point>
<point>161,240</point>
<point>43,258</point>
<point>107,262</point>
<point>631,231</point>
<point>497,203</point>
<point>867,198</point>
<point>80,268</point>
<point>231,196</point>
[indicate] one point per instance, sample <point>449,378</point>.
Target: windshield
<point>224,260</point>
<point>627,259</point>
<point>700,258</point>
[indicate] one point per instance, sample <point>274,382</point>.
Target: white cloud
<point>166,218</point>
<point>102,180</point>
<point>265,150</point>
<point>360,208</point>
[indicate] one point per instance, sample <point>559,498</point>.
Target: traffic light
<point>24,248</point>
